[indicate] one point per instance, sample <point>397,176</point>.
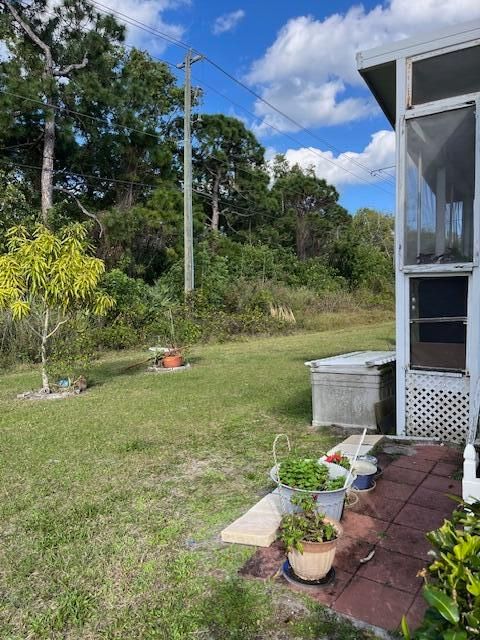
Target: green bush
<point>452,587</point>
<point>17,342</point>
<point>116,336</point>
<point>134,302</point>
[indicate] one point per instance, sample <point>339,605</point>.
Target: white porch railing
<point>470,483</point>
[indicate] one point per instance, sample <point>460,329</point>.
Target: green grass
<point>112,502</point>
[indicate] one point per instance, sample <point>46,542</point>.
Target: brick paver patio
<point>408,501</point>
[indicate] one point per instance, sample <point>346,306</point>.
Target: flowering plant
<point>339,458</point>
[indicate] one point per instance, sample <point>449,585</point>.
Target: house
<point>429,89</point>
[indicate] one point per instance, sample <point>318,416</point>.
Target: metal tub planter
<point>328,502</point>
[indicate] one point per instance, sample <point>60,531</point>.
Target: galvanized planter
<point>328,502</point>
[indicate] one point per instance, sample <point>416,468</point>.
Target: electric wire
<point>67,172</point>
<point>156,32</point>
<point>153,31</point>
<point>109,123</point>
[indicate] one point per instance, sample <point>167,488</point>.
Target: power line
<point>283,114</point>
<point>160,34</point>
<point>144,27</point>
<point>64,108</point>
<point>290,137</point>
<point>66,172</point>
<point>112,124</point>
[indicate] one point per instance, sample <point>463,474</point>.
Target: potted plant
<point>339,458</point>
<point>326,482</point>
<point>172,358</point>
<point>310,539</point>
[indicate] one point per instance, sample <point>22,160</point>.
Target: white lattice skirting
<point>437,406</point>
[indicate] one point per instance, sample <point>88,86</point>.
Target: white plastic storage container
<point>346,388</point>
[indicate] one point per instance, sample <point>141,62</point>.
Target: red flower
<point>335,457</point>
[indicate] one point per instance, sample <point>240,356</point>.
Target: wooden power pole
<point>187,173</point>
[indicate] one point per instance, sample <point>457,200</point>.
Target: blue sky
<point>300,56</point>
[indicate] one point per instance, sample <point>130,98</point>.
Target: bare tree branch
<point>49,335</point>
<point>22,144</point>
<point>85,211</point>
<point>72,67</point>
<point>33,330</point>
<point>31,34</point>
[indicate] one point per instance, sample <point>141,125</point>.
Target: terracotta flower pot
<point>317,557</point>
<point>171,362</point>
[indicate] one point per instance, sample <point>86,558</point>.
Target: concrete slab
<point>349,446</point>
<point>372,440</point>
<point>350,449</point>
<point>258,526</point>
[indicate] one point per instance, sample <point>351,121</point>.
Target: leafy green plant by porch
<point>452,587</point>
<point>308,474</point>
<point>45,278</point>
<point>306,526</point>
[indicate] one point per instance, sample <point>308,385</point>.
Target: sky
<point>300,57</point>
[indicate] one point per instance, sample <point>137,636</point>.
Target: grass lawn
<point>112,502</point>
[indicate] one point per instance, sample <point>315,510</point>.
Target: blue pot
<point>365,475</point>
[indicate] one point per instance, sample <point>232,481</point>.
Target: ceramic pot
<point>172,362</point>
<point>317,557</point>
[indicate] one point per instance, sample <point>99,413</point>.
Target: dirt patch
<point>41,395</point>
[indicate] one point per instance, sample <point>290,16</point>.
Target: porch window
<point>438,320</point>
<point>447,75</point>
<point>440,187</point>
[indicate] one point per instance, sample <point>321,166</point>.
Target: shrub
<point>134,301</point>
<point>116,336</point>
<point>452,587</point>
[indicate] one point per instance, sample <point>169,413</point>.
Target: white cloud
<point>150,12</point>
<point>310,104</point>
<point>312,61</point>
<point>228,21</point>
<point>379,153</point>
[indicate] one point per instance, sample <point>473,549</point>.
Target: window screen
<point>445,76</point>
<point>438,318</point>
<point>440,187</point>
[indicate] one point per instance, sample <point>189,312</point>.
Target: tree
<point>116,129</point>
<point>136,140</point>
<point>376,229</point>
<point>47,55</point>
<point>14,206</point>
<point>363,253</point>
<point>146,239</point>
<point>45,278</point>
<point>307,210</point>
<point>229,167</point>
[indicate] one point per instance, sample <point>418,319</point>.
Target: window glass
<point>446,75</point>
<point>440,187</point>
<point>438,317</point>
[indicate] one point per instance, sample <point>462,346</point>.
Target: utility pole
<point>187,173</point>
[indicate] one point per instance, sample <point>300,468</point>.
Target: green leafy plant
<point>452,581</point>
<point>303,473</point>
<point>308,474</point>
<point>306,526</point>
<point>45,278</point>
<point>335,483</point>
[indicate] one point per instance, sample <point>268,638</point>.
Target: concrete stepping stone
<point>349,446</point>
<point>259,525</point>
